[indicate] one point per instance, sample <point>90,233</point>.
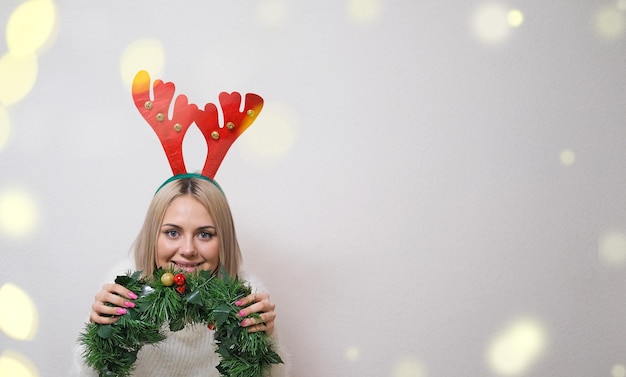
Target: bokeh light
<point>272,13</point>
<point>18,313</point>
<point>5,127</point>
<point>618,370</point>
<point>352,353</point>
<point>18,213</point>
<point>364,11</point>
<point>609,22</point>
<point>612,248</point>
<point>30,27</point>
<point>142,54</point>
<point>515,18</point>
<point>490,23</point>
<point>567,157</point>
<point>408,368</point>
<point>272,136</point>
<point>17,77</point>
<point>515,349</point>
<point>15,364</point>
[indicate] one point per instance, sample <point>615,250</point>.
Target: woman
<point>189,227</point>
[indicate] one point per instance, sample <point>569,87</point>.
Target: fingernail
<point>242,313</point>
<point>129,304</point>
<point>120,311</point>
<point>243,323</point>
<point>132,296</point>
<point>238,303</point>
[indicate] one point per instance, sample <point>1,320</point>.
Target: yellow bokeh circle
<point>18,213</point>
<point>352,353</point>
<point>515,18</point>
<point>272,13</point>
<point>30,27</point>
<point>17,77</point>
<point>612,248</point>
<point>618,370</point>
<point>142,54</point>
<point>18,313</point>
<point>567,157</point>
<point>15,364</point>
<point>609,22</point>
<point>408,368</point>
<point>272,136</point>
<point>515,349</point>
<point>364,11</point>
<point>5,127</point>
<point>491,23</point>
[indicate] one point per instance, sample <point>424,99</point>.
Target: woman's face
<point>187,238</point>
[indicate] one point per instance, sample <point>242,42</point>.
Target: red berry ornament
<point>179,279</point>
<point>181,289</point>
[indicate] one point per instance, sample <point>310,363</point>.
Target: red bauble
<point>181,289</point>
<point>211,326</point>
<point>179,279</point>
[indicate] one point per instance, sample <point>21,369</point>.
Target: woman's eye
<point>171,233</point>
<point>206,235</point>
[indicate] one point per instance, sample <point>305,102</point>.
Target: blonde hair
<point>212,198</point>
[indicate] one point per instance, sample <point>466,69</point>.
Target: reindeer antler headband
<point>172,131</point>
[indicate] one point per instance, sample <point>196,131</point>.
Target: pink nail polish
<point>129,304</point>
<point>242,313</point>
<point>120,311</point>
<point>238,303</point>
<point>132,296</point>
<point>243,323</point>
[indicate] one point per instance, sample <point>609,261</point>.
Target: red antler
<point>219,139</point>
<point>170,131</point>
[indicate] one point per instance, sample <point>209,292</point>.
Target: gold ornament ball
<point>167,279</point>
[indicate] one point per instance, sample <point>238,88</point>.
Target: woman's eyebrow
<point>207,227</point>
<point>169,225</point>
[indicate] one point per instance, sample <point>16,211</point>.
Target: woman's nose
<point>188,248</point>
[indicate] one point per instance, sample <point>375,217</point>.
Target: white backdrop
<point>432,189</point>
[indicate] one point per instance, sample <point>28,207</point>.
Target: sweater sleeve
<point>280,370</point>
<point>79,368</point>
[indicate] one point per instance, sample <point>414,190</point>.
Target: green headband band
<point>189,175</point>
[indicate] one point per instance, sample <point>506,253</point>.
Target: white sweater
<point>189,352</point>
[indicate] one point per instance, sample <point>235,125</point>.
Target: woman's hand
<point>116,295</point>
<point>257,303</point>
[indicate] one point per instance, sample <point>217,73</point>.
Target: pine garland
<point>178,300</point>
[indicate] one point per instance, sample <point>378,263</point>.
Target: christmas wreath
<point>175,299</point>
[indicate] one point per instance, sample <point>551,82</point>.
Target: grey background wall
<point>432,188</point>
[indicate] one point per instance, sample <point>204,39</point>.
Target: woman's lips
<point>186,266</point>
